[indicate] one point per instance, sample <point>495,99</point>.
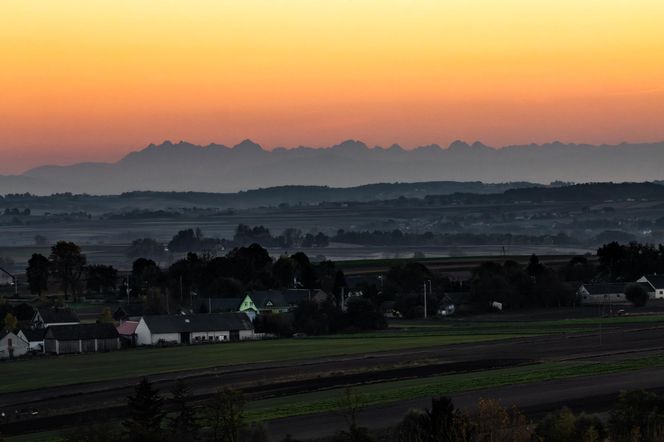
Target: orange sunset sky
<point>92,80</point>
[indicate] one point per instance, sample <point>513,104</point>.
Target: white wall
<point>246,334</point>
<point>165,337</point>
<point>19,346</point>
<point>216,336</point>
<point>143,335</point>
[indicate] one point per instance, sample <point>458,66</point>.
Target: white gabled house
<point>656,282</point>
<point>188,329</point>
<point>12,346</point>
<point>608,292</point>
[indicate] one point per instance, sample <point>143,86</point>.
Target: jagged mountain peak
<point>248,146</point>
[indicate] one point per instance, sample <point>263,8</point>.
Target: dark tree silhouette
<point>67,263</point>
<point>37,273</point>
<point>143,423</point>
<point>182,425</point>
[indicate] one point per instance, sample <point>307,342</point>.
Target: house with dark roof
<point>81,338</point>
<point>607,292</point>
<point>455,302</point>
<point>279,301</point>
<point>34,337</point>
<point>187,329</point>
<point>46,317</point>
<point>130,312</point>
<point>12,345</point>
<point>656,283</point>
<point>228,305</point>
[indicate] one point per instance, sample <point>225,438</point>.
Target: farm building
<point>224,305</point>
<point>127,332</point>
<point>34,337</point>
<point>455,302</point>
<point>129,312</point>
<point>607,293</point>
<point>12,346</point>
<point>280,301</point>
<point>186,329</point>
<point>46,317</point>
<point>81,338</point>
<point>656,283</point>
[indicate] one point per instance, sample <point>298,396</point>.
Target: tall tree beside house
<point>101,278</point>
<point>106,316</point>
<point>67,264</point>
<point>283,272</point>
<point>10,322</point>
<point>225,416</point>
<point>37,273</point>
<point>182,425</point>
<point>143,423</point>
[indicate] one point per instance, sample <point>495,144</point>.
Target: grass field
<point>76,369</point>
<point>382,393</point>
<point>387,392</point>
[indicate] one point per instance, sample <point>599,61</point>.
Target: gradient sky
<point>92,79</point>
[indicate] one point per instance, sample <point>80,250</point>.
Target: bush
<point>563,425</point>
<point>637,295</point>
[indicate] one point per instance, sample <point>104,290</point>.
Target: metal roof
<point>57,315</point>
<point>198,323</point>
<point>81,331</point>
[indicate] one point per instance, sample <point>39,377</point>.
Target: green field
<point>386,392</point>
<point>77,369</point>
<point>37,373</point>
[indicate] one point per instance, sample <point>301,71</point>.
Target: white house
<point>657,284</point>
<point>186,329</point>
<point>12,346</point>
<point>607,293</point>
<point>46,317</point>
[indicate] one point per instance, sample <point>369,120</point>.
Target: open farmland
<point>285,378</point>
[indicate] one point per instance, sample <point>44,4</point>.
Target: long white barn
<point>186,329</point>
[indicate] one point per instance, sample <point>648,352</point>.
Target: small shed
<point>34,337</point>
<point>81,338</point>
<point>127,332</point>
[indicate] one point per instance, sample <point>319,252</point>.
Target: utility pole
<point>425,300</point>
